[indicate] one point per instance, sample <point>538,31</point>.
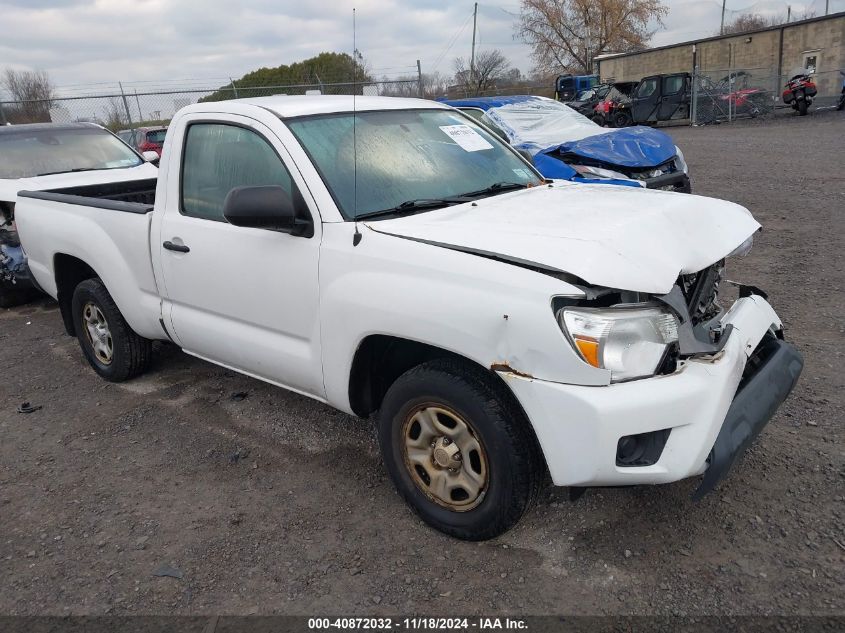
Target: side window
<point>673,84</point>
<point>647,88</point>
<point>219,157</point>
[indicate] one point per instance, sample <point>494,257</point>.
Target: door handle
<point>179,248</point>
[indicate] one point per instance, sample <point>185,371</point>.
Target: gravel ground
<point>270,503</point>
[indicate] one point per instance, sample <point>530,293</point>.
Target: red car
<point>144,139</point>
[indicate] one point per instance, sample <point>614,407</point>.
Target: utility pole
<point>419,79</point>
<point>826,6</point>
<point>234,87</point>
<point>125,104</point>
<point>472,58</point>
<point>722,28</point>
<point>788,14</point>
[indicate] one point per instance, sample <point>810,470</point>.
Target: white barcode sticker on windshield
<point>466,137</point>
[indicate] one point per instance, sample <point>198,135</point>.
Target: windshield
<point>156,136</point>
<point>405,155</point>
<point>27,152</point>
<point>535,124</point>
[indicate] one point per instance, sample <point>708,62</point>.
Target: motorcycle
<point>799,93</point>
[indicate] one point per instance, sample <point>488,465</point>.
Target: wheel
<point>622,119</point>
<point>802,107</point>
<point>109,344</point>
<point>459,449</point>
<point>598,119</point>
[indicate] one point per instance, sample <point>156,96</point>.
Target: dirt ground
<point>266,502</point>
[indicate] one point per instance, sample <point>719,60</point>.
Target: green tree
<point>315,73</point>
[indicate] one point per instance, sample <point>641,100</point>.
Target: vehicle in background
<point>733,96</point>
<point>144,139</point>
<point>504,329</point>
<point>799,92</point>
<point>614,110</point>
<point>68,158</point>
<point>567,86</point>
<point>599,103</point>
<point>660,98</point>
<point>566,145</point>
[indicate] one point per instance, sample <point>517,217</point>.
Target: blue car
<point>566,145</point>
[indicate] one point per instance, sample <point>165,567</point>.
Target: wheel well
<point>380,360</point>
<point>70,272</point>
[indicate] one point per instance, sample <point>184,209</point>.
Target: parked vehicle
<point>58,157</point>
<point>799,93</point>
<point>733,96</point>
<point>661,98</point>
<point>144,139</point>
<point>505,329</point>
<point>565,145</point>
<point>599,103</point>
<point>567,86</point>
<point>615,109</point>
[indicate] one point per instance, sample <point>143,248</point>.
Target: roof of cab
<point>296,105</point>
<point>52,127</point>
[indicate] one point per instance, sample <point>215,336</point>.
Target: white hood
<point>10,187</point>
<point>617,237</point>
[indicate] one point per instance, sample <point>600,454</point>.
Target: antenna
<point>356,237</point>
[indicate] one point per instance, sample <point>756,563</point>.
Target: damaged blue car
<point>566,145</point>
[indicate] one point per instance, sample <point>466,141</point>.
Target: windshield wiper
<point>69,171</point>
<point>496,187</point>
<point>412,206</point>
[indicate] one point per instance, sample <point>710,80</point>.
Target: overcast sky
<point>84,42</point>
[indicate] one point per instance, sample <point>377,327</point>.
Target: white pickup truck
<point>405,261</point>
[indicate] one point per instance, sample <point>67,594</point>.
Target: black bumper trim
<point>759,395</point>
<point>677,179</point>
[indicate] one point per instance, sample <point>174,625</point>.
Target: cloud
<point>97,41</point>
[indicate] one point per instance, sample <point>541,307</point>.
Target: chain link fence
<point>724,95</point>
<point>128,109</point>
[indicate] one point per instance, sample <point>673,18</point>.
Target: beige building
<point>770,55</point>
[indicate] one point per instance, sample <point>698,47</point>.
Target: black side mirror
<point>265,207</point>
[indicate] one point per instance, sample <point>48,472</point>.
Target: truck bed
<point>134,196</point>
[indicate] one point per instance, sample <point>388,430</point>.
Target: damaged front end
<point>16,282</point>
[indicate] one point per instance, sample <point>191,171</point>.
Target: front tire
<point>459,449</point>
<point>110,346</point>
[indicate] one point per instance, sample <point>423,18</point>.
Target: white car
<point>65,158</point>
<point>405,261</point>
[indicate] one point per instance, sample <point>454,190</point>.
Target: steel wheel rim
<point>98,333</point>
<point>445,458</point>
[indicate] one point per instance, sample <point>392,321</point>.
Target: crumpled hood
<point>629,147</point>
<point>617,237</point>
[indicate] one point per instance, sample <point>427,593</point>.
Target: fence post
<point>3,120</point>
<point>125,104</point>
<point>419,79</point>
<point>694,113</point>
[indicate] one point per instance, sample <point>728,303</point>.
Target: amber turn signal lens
<point>589,350</point>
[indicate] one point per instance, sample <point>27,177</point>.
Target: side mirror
<point>264,207</point>
<point>151,157</point>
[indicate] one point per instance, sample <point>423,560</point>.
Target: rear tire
<point>622,119</point>
<point>497,453</point>
<point>110,346</point>
<point>802,107</point>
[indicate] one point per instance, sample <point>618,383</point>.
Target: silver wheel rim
<point>445,458</point>
<point>97,332</point>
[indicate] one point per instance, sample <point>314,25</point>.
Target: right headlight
<point>631,342</point>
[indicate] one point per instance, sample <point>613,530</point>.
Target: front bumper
<point>676,181</point>
<point>579,427</point>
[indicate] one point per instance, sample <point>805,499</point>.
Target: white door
<point>244,297</point>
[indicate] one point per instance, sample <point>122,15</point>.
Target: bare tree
<point>754,21</point>
<point>490,66</point>
<point>33,91</point>
<point>569,34</point>
<point>115,115</point>
<point>433,85</point>
<point>744,23</point>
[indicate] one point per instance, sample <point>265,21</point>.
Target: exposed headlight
<point>743,249</point>
<point>599,172</point>
<point>680,161</point>
<point>630,342</point>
